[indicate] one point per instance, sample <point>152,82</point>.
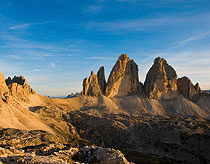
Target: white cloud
<point>24,25</point>
<point>194,38</point>
<point>134,25</point>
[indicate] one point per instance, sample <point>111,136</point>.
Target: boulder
<point>101,79</point>
<point>187,89</point>
<point>123,79</point>
<point>91,86</point>
<point>161,80</point>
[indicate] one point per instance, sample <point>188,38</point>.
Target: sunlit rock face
<point>123,79</point>
<point>161,80</point>
<point>91,86</point>
<point>187,89</point>
<point>4,91</point>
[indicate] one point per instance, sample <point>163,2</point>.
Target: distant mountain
<point>73,95</point>
<point>208,91</point>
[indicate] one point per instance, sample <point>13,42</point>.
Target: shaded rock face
<point>141,89</point>
<point>182,139</point>
<point>91,86</point>
<point>101,79</point>
<point>197,88</point>
<point>123,79</point>
<point>161,80</point>
<point>4,91</point>
<point>187,89</point>
<point>19,88</point>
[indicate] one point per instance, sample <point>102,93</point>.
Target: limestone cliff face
<point>187,89</point>
<point>91,86</point>
<point>123,79</point>
<point>19,88</point>
<point>4,91</point>
<point>101,79</point>
<point>161,80</point>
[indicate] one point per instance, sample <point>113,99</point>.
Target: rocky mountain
<point>123,79</point>
<point>189,90</point>
<point>161,80</point>
<point>163,120</point>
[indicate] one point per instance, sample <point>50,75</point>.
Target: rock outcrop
<point>4,91</point>
<point>19,88</point>
<point>161,80</point>
<point>187,89</point>
<point>37,146</point>
<point>91,86</point>
<point>183,139</point>
<point>123,79</point>
<point>101,79</point>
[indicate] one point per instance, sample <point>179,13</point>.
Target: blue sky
<point>55,44</point>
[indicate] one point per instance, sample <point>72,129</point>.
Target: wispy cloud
<point>17,57</point>
<point>195,37</point>
<point>134,25</point>
<point>94,8</point>
<point>24,25</point>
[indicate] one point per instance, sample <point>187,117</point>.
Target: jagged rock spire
<point>187,89</point>
<point>91,86</point>
<point>123,79</point>
<point>101,79</point>
<point>19,88</point>
<point>161,80</point>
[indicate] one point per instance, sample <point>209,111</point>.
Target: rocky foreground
<point>37,147</point>
<point>163,120</point>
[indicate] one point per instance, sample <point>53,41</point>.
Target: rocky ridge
<point>161,82</point>
<point>154,125</point>
<point>19,88</point>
